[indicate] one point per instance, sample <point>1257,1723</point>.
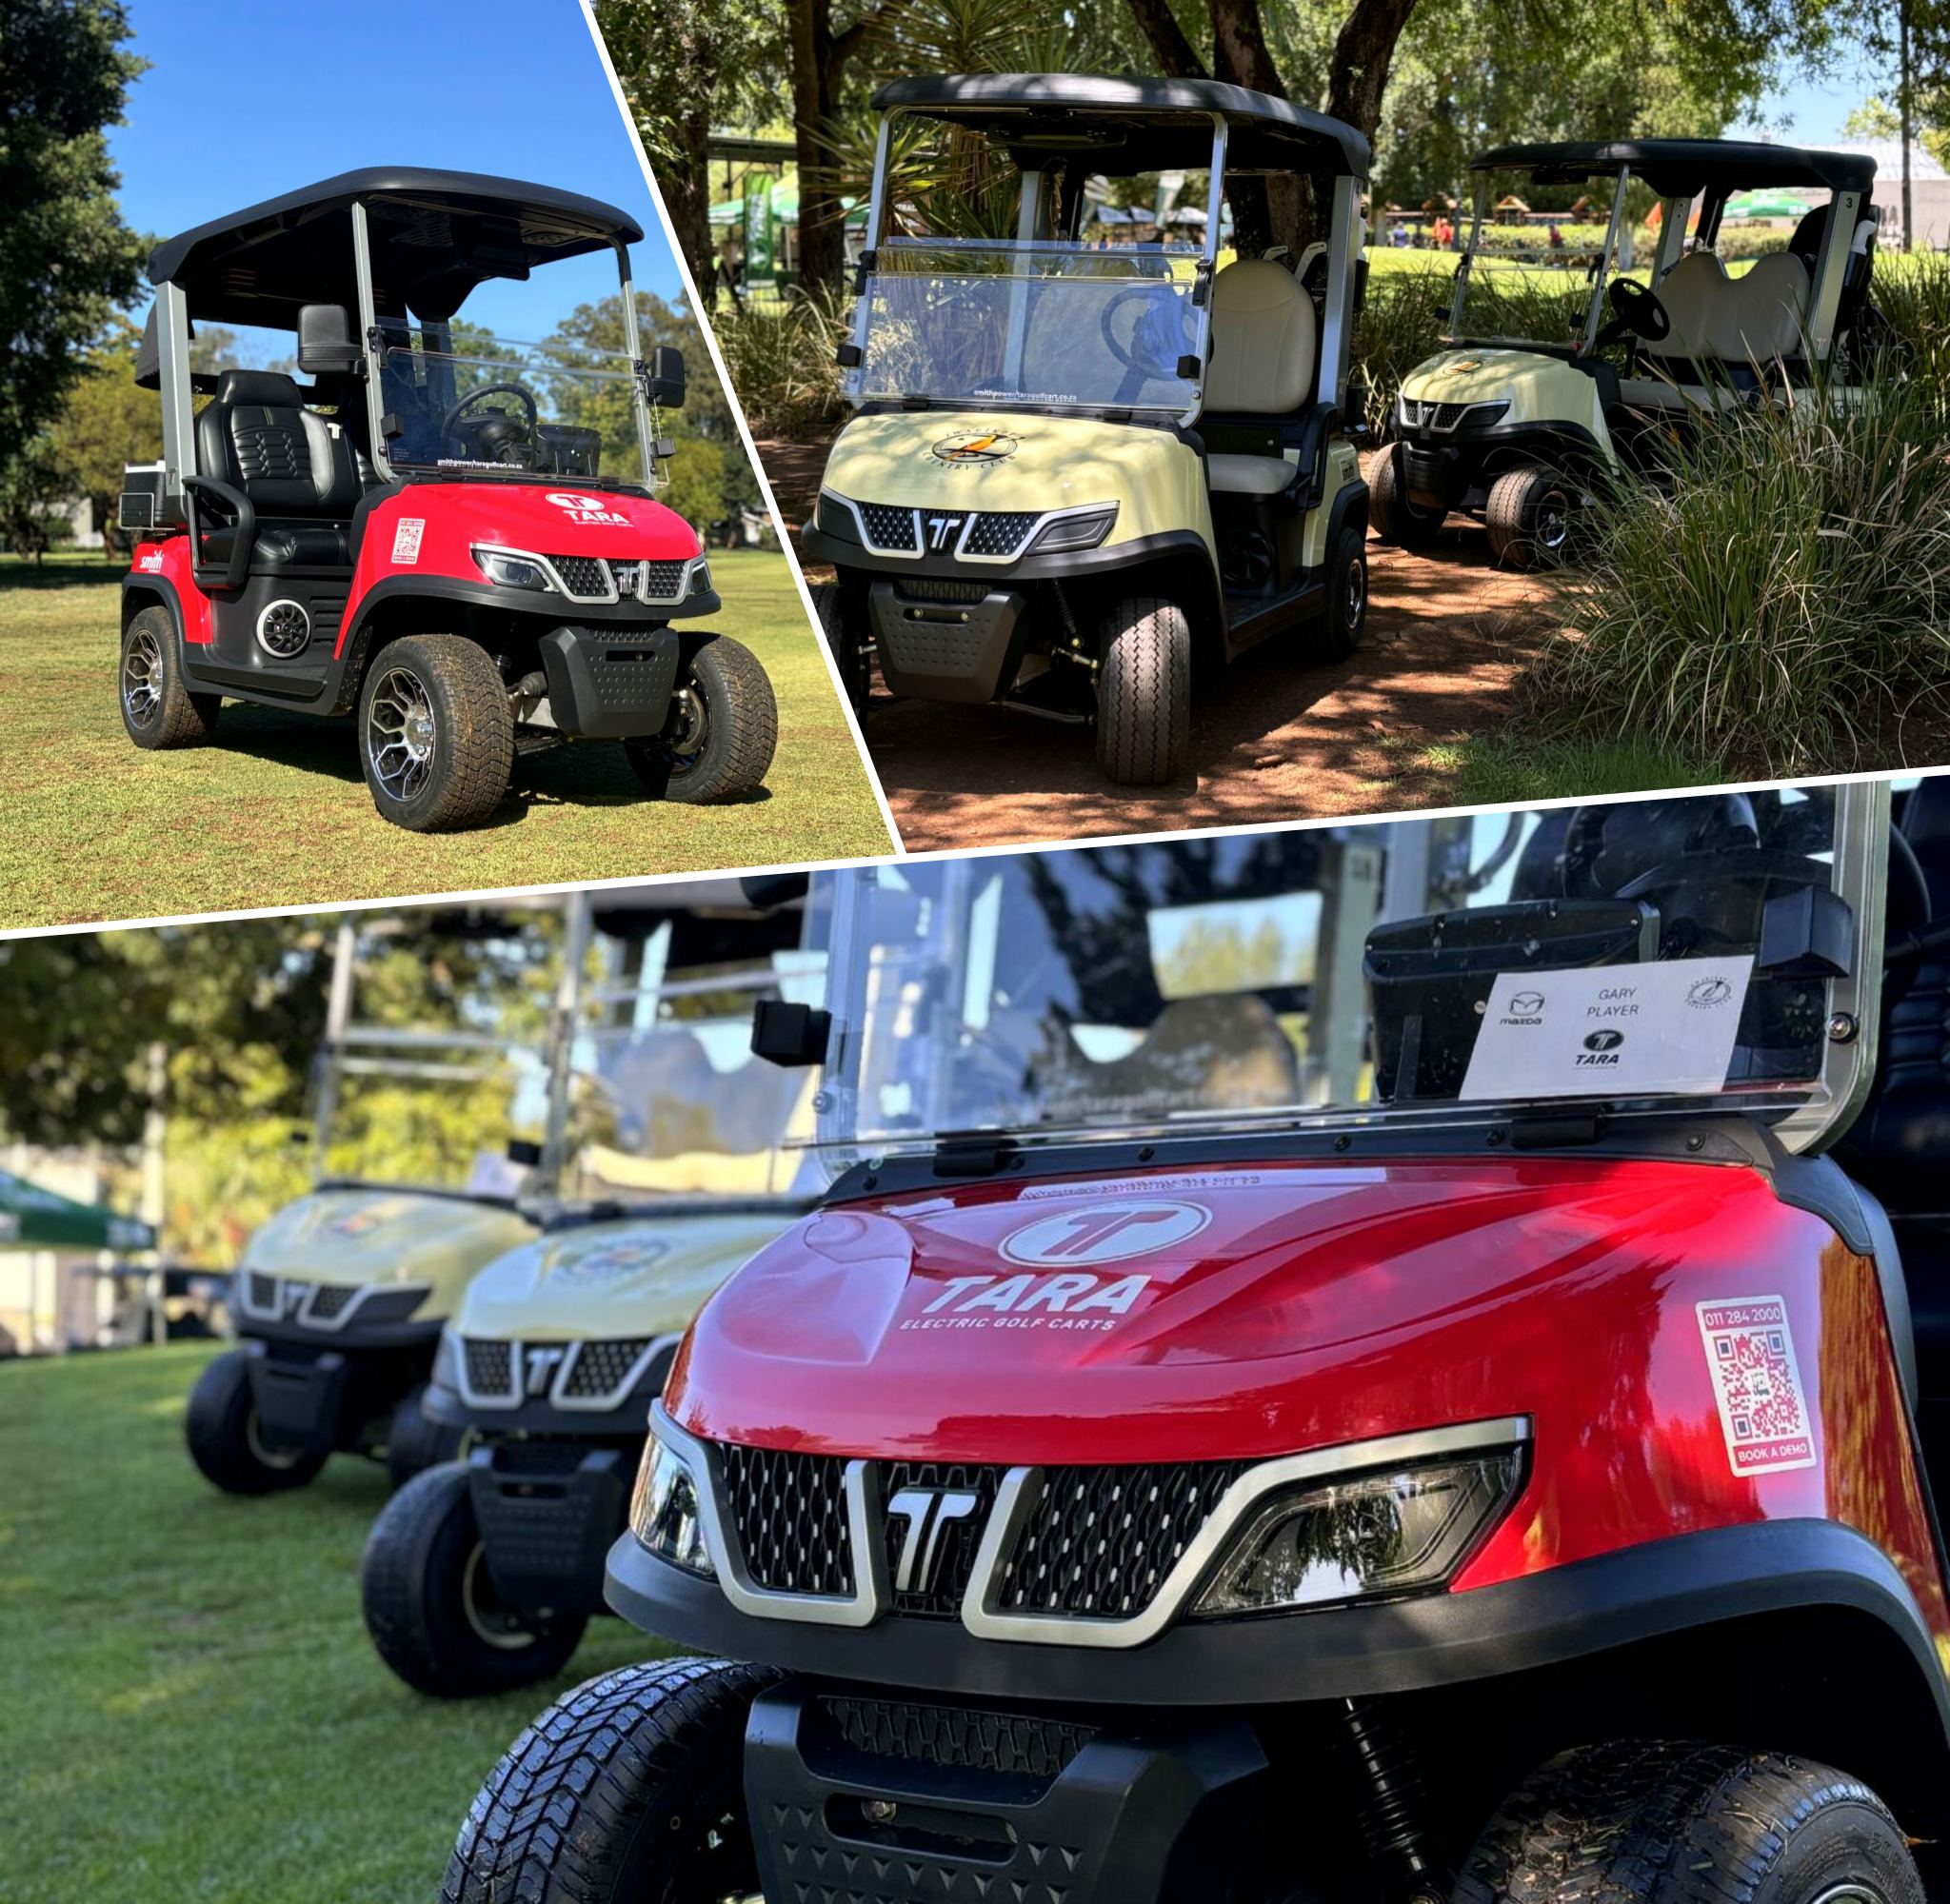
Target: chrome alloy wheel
<point>1553,522</point>
<point>142,678</point>
<point>400,733</point>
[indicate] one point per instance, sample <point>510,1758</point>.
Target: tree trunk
<point>1905,112</point>
<point>817,67</point>
<point>686,189</point>
<point>1362,53</point>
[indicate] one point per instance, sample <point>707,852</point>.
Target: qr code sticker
<point>406,539</point>
<point>1764,1412</point>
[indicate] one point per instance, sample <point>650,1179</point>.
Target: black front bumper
<point>610,684</point>
<point>302,1401</point>
<point>933,650</point>
<point>548,1511</point>
<point>885,1800</point>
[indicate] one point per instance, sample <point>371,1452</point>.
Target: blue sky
<point>508,87</point>
<point>1811,111</point>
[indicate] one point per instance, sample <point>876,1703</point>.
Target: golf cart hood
<point>962,460</point>
<point>353,1236</point>
<point>1537,386</point>
<point>1279,1309</point>
<point>634,1277</point>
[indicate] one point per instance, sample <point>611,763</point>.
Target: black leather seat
<point>300,472</point>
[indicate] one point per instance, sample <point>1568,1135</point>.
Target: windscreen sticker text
<point>1611,1031</point>
<point>1763,1411</point>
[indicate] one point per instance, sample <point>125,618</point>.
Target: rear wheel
<point>1529,516</point>
<point>436,735</point>
<point>1342,623</point>
<point>847,646</point>
<point>1144,692</point>
<point>639,1776</point>
<point>157,709</point>
<point>723,727</point>
<point>1395,517</point>
<point>226,1439</point>
<point>431,1604</point>
<point>1672,1823</point>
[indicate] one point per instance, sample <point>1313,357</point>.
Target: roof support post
<point>173,369</point>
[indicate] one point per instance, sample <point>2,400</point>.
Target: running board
<point>1299,604</point>
<point>255,684</point>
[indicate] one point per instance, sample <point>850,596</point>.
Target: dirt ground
<point>1270,741</point>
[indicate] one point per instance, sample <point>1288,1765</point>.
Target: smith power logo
<point>988,446</point>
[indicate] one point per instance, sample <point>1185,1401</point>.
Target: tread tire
<point>1144,692</point>
<point>414,1443</point>
<point>855,669</point>
<point>1668,1822</point>
<point>181,719</point>
<point>473,744</point>
<point>1518,502</point>
<point>411,1587</point>
<point>581,1808</point>
<point>1394,517</point>
<point>218,1424</point>
<point>1336,632</point>
<point>740,730</point>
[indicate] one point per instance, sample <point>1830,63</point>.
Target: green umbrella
<point>1767,205</point>
<point>33,1219</point>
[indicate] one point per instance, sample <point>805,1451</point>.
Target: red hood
<point>1258,1312</point>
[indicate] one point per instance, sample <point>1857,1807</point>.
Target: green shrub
<point>1780,600</point>
<point>782,363</point>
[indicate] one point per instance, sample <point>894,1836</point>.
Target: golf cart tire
<point>412,1585</point>
<point>1336,632</point>
<point>1517,499</point>
<point>855,666</point>
<point>181,719</point>
<point>414,1443</point>
<point>473,733</point>
<point>1144,692</point>
<point>1675,1823</point>
<point>1396,519</point>
<point>610,1793</point>
<point>220,1425</point>
<point>741,730</point>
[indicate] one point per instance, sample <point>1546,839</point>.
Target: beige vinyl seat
<point>1265,346</point>
<point>1718,319</point>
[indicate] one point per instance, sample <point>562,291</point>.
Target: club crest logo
<point>612,1264</point>
<point>1105,1233</point>
<point>988,446</point>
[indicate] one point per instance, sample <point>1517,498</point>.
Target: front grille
<point>585,577</point>
<point>329,1299</point>
<point>790,1513</point>
<point>889,526</point>
<point>601,1368</point>
<point>959,1739</point>
<point>662,581</point>
<point>1102,1541</point>
<point>939,1597</point>
<point>998,532</point>
<point>261,1291</point>
<point>489,1364</point>
<point>938,589</point>
<point>1449,416</point>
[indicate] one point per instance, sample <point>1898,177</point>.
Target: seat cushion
<point>1228,475</point>
<point>1264,339</point>
<point>1722,319</point>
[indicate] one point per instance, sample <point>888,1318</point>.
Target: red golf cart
<point>1360,1363</point>
<point>453,537</point>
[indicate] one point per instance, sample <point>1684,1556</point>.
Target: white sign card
<point>1609,1031</point>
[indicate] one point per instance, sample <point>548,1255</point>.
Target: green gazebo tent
<point>33,1218</point>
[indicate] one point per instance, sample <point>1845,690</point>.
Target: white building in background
<point>1929,194</point>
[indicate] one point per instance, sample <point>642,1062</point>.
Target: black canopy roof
<point>1145,125</point>
<point>435,235</point>
<point>1684,168</point>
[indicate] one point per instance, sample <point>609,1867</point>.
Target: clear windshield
<point>1536,257</point>
<point>1413,969</point>
<point>665,1098</point>
<point>457,398</point>
<point>1069,325</point>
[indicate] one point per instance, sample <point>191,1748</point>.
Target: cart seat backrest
<point>1264,340</point>
<point>259,437</point>
<point>1757,318</point>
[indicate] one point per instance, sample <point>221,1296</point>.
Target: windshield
<point>1536,257</point>
<point>1422,969</point>
<point>666,1096</point>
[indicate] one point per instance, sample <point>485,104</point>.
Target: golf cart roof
<point>1166,124</point>
<point>451,232</point>
<point>1684,168</point>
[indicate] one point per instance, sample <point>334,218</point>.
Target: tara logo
<point>593,510</point>
<point>1105,1233</point>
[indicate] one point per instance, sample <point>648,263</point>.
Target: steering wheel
<point>495,442</point>
<point>1146,366</point>
<point>1638,309</point>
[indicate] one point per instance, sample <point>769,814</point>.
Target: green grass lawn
<point>190,1707</point>
<point>274,812</point>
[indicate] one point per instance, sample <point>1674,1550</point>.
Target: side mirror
<point>524,1151</point>
<point>325,341</point>
<point>789,1035</point>
<point>665,384</point>
<point>1808,933</point>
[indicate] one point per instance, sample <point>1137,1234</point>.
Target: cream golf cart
<point>1516,431</point>
<point>1081,467</point>
<point>482,1572</point>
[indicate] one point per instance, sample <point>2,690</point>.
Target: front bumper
<point>1031,1807</point>
<point>944,650</point>
<point>548,1511</point>
<point>302,1401</point>
<point>610,684</point>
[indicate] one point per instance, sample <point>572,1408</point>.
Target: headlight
<point>1374,1534</point>
<point>1068,532</point>
<point>663,1511</point>
<point>509,569</point>
<point>700,576</point>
